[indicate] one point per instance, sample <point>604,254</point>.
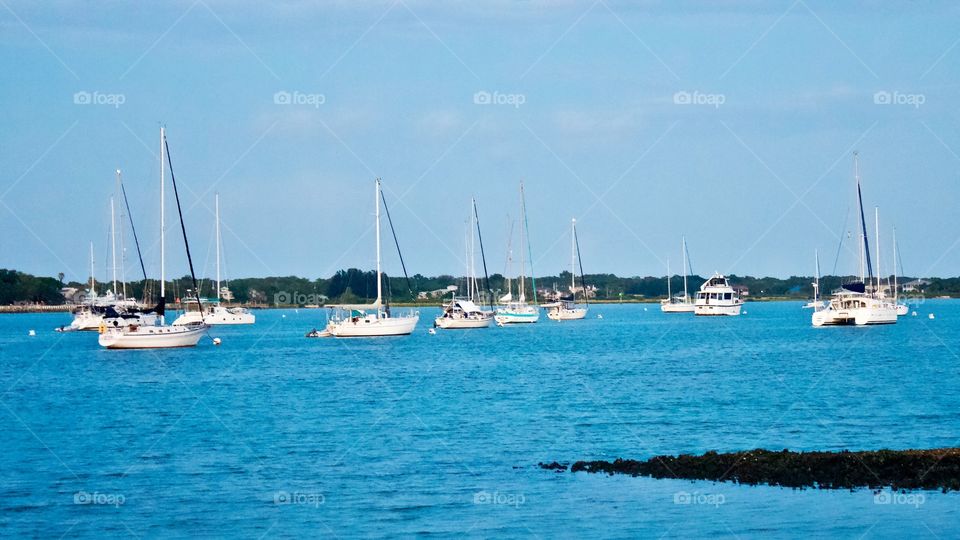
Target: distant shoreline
<point>66,308</point>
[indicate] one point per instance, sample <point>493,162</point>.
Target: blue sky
<point>756,172</point>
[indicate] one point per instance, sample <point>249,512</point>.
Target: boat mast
<point>526,227</point>
<point>865,247</point>
<point>523,219</point>
<point>669,292</point>
<point>472,259</point>
<point>896,294</point>
<point>113,244</point>
<point>376,200</point>
<point>816,285</point>
<point>123,248</point>
<point>876,221</point>
<point>573,258</point>
<point>163,285</point>
<point>217,205</point>
<point>684,243</point>
<point>93,281</point>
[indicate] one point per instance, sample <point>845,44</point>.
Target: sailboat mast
<point>113,243</point>
<point>896,294</point>
<point>684,254</point>
<point>876,221</point>
<point>669,292</point>
<point>123,248</point>
<point>376,200</point>
<point>816,288</point>
<point>217,205</point>
<point>163,260</point>
<point>573,258</point>
<point>473,261</point>
<point>523,219</point>
<point>526,227</point>
<point>865,247</point>
<point>93,281</point>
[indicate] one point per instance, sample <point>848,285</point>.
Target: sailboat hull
<point>520,315</point>
<point>677,308</point>
<point>152,337</point>
<point>567,314</point>
<point>448,323</point>
<point>373,327</point>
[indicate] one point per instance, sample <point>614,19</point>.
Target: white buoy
<point>431,331</point>
<point>930,316</point>
<point>644,309</point>
<point>284,316</point>
<point>599,315</point>
<point>32,333</point>
<point>914,314</point>
<point>744,312</point>
<point>216,341</point>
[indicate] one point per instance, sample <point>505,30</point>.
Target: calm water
<point>272,434</point>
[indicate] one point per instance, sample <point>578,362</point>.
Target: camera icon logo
<point>281,497</point>
<point>682,98</point>
<point>282,98</point>
<point>682,497</point>
<point>882,98</point>
<point>82,98</point>
<point>482,98</point>
<point>482,497</point>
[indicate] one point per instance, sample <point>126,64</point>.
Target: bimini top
<point>715,281</point>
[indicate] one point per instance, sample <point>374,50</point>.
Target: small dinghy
<point>318,333</point>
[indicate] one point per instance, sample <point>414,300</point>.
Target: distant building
<point>70,294</point>
<point>916,285</point>
<point>436,293</point>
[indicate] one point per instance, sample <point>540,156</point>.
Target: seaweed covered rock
<point>897,469</point>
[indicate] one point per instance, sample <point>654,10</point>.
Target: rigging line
<point>846,219</point>
<point>396,242</point>
<point>136,241</point>
<point>583,285</point>
<point>183,227</point>
<point>486,277</point>
<point>689,268</point>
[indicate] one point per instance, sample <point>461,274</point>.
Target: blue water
<point>271,434</point>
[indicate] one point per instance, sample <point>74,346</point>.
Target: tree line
<point>355,285</point>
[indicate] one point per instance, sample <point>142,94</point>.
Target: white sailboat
<point>816,304</point>
<point>133,332</point>
<point>902,309</point>
<point>215,313</point>
<point>567,310</point>
<point>678,304</point>
<point>519,311</point>
<point>371,320</point>
<point>464,312</point>
<point>853,304</point>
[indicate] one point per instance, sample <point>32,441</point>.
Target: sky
<point>730,123</point>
